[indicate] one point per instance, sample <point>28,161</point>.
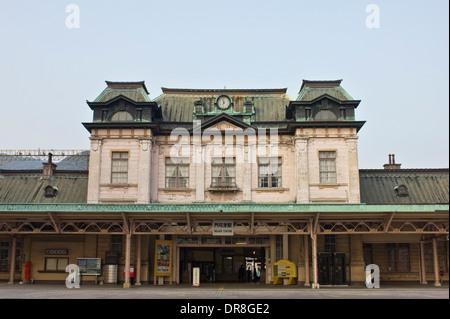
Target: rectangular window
<point>307,114</point>
<point>398,257</point>
<point>330,243</point>
<point>269,172</point>
<point>223,172</point>
<point>278,247</point>
<point>104,115</point>
<point>177,172</point>
<point>327,166</point>
<point>5,250</point>
<point>139,114</point>
<point>119,168</point>
<point>198,107</point>
<point>248,107</point>
<point>442,257</point>
<point>56,263</point>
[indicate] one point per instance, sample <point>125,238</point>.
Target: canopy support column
<point>12,258</point>
<point>437,281</point>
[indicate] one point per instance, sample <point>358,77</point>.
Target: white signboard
<point>223,227</point>
<point>196,276</point>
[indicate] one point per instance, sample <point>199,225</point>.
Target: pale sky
<point>399,71</point>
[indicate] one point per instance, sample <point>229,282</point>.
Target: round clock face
<point>223,102</point>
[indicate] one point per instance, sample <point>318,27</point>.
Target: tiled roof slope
<point>311,90</point>
<point>30,189</point>
<point>424,186</point>
<point>177,105</point>
<point>135,91</point>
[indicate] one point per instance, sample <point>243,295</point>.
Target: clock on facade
<point>223,102</point>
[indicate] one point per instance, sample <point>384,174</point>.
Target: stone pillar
<point>199,173</point>
<point>353,170</point>
<point>95,155</point>
<point>144,176</point>
<point>357,266</point>
<point>247,174</point>
<point>301,161</point>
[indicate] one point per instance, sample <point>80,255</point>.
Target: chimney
<point>49,167</point>
<point>392,164</point>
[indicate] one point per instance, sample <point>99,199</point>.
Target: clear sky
<point>400,70</point>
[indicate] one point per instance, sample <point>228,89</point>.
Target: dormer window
<point>401,191</point>
<point>325,115</point>
<point>198,107</point>
<point>50,191</point>
<point>122,116</point>
<point>248,107</point>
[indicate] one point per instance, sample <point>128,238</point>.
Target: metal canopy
<point>197,219</point>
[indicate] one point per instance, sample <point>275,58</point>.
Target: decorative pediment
<point>223,122</point>
<point>224,126</point>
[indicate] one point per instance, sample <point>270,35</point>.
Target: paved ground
<point>219,291</point>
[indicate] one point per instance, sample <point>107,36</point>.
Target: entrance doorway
<point>331,268</point>
<point>223,264</point>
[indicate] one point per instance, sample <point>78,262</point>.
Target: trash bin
<point>110,276</point>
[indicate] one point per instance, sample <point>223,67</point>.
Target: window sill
<point>329,185</point>
<point>171,189</point>
<point>223,189</point>
<point>270,189</point>
<point>118,185</point>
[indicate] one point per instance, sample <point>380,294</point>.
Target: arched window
<point>121,116</point>
<point>325,115</point>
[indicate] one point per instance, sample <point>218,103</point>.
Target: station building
<point>218,179</point>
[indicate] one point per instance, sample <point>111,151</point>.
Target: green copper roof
<point>311,90</point>
<point>135,91</point>
<point>221,207</point>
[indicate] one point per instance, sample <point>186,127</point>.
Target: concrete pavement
<point>219,291</point>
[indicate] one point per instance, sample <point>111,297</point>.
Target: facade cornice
<point>222,208</point>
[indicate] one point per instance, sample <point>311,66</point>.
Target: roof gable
<point>223,122</point>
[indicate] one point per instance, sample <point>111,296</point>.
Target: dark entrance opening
<point>222,264</point>
<point>331,268</point>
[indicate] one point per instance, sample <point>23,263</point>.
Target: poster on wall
<point>90,266</point>
<point>163,257</point>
